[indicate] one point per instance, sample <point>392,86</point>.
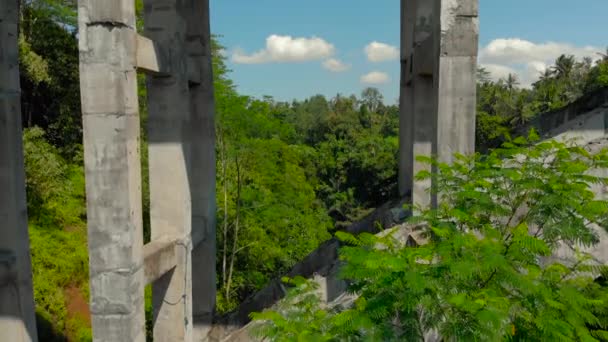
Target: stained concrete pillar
<point>17,314</point>
<point>424,96</point>
<point>456,82</point>
<point>406,98</point>
<point>170,150</point>
<point>202,113</point>
<point>108,83</point>
<point>438,97</point>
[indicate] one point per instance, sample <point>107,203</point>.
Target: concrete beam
<point>17,313</point>
<point>108,83</point>
<point>150,58</point>
<point>159,258</point>
<point>425,66</point>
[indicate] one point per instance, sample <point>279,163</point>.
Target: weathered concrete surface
<point>202,168</point>
<point>169,162</point>
<point>438,92</point>
<point>586,119</point>
<point>108,83</point>
<point>406,99</point>
<point>160,257</point>
<point>17,319</point>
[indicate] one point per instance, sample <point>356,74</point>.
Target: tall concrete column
<point>17,314</point>
<point>456,83</point>
<point>425,97</point>
<point>170,150</point>
<point>108,83</point>
<point>202,116</point>
<point>439,92</point>
<point>406,98</point>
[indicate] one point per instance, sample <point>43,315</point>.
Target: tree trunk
<point>225,189</point>
<point>236,227</point>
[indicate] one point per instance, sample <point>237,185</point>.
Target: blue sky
<point>518,36</point>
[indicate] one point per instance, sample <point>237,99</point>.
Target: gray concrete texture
<point>17,315</point>
<point>108,82</point>
<point>175,53</point>
<point>438,93</point>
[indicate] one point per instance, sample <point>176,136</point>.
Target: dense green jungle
<point>289,174</point>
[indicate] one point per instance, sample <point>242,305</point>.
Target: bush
<point>487,272</point>
<point>58,238</point>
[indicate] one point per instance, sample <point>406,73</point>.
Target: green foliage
<point>486,273</point>
<point>55,193</point>
<point>55,188</point>
<point>300,317</point>
<point>288,173</point>
<point>50,94</point>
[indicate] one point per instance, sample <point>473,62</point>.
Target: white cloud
<point>379,52</point>
<point>287,49</point>
<point>335,65</point>
<point>527,59</point>
<point>375,77</point>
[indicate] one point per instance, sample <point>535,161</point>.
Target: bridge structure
<point>439,40</point>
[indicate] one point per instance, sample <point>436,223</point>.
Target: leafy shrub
<point>487,272</point>
<point>56,210</point>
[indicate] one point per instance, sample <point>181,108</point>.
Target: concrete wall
<point>17,319</point>
<point>585,119</point>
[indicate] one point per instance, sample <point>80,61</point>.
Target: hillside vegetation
<point>289,174</point>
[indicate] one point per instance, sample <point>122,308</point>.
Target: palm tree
<point>511,82</point>
<point>483,75</point>
<point>604,55</point>
<point>564,65</point>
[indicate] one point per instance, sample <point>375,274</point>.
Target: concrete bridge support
<point>108,83</point>
<point>17,315</point>
<point>175,53</point>
<point>438,94</point>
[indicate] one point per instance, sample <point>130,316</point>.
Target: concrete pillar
<point>438,97</point>
<point>108,83</point>
<point>406,98</point>
<point>456,83</point>
<point>202,113</point>
<point>17,315</point>
<point>169,131</point>
<point>424,95</point>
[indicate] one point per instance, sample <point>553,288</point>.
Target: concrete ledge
<point>424,63</point>
<point>150,57</point>
<point>159,258</point>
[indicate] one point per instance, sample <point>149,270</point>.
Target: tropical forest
<point>292,175</point>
